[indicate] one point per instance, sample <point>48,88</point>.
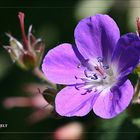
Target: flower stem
<point>41,75</point>
<point>137,92</point>
<point>24,38</point>
<point>138,25</point>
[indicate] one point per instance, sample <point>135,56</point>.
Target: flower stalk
<point>136,98</point>
<point>138,25</point>
<point>37,72</point>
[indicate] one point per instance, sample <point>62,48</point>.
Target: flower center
<point>98,76</point>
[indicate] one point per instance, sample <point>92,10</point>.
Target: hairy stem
<point>37,72</point>
<point>137,92</point>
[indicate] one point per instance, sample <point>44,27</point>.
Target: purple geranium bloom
<point>95,69</point>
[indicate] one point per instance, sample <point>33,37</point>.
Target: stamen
<point>83,79</point>
<point>86,74</point>
<point>94,77</point>
<point>106,67</point>
<point>100,59</point>
<point>76,77</point>
<point>79,65</point>
<point>87,91</point>
<point>77,86</point>
<point>84,93</point>
<point>104,77</point>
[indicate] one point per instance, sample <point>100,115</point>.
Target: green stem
<point>137,91</point>
<point>37,72</point>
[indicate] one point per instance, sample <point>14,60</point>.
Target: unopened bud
<point>28,53</point>
<point>49,95</point>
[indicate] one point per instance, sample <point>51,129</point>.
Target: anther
<point>85,72</point>
<point>76,87</point>
<point>94,77</point>
<point>76,77</point>
<point>100,59</point>
<point>87,91</point>
<point>104,77</point>
<point>106,67</point>
<point>84,93</point>
<point>79,65</point>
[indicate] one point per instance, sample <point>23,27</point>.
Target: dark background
<point>54,21</point>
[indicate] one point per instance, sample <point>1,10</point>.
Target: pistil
<point>24,38</point>
<point>94,77</point>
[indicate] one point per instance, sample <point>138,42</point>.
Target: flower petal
<point>127,54</point>
<point>97,36</point>
<point>60,65</point>
<point>109,104</point>
<point>70,102</point>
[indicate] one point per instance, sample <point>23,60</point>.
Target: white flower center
<point>97,77</point>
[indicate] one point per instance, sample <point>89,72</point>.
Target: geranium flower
<point>95,69</point>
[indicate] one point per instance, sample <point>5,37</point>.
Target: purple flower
<point>95,69</point>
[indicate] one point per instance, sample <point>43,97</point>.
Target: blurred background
<point>21,107</point>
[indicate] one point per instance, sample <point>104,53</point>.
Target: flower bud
<point>49,95</point>
<point>28,53</point>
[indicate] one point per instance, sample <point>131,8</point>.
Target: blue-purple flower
<point>95,69</point>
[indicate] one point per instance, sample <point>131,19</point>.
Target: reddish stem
<point>24,38</point>
<point>138,24</point>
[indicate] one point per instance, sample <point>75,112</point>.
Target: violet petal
<point>126,55</point>
<point>70,102</point>
<point>109,104</point>
<point>61,65</point>
<point>97,36</point>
